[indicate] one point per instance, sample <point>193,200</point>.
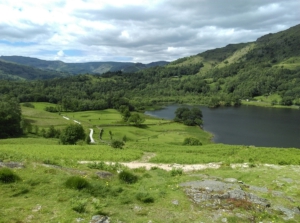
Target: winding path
<point>91,135</point>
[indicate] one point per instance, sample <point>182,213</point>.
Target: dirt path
<point>91,136</point>
<point>143,162</point>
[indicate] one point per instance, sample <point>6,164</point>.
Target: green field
<point>42,195</point>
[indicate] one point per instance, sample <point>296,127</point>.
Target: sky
<point>136,30</point>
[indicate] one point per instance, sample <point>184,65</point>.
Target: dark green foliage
<point>52,132</point>
<point>88,139</point>
<point>10,117</point>
<point>144,197</point>
<point>287,100</point>
<point>117,144</point>
<point>176,172</point>
<point>101,133</point>
<point>136,119</point>
<point>51,109</point>
<point>12,71</point>
<point>124,110</point>
<point>76,182</point>
<point>188,116</point>
<point>28,105</point>
<point>21,192</point>
<point>110,135</point>
<point>99,189</point>
<point>8,176</point>
<point>71,134</point>
<point>26,125</point>
<point>190,141</point>
<point>128,177</point>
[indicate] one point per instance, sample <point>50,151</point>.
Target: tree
<point>10,118</point>
<point>71,134</point>
<point>188,117</point>
<point>136,119</point>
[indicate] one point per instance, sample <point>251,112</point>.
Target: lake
<point>247,125</point>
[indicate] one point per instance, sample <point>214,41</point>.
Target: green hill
<point>268,66</point>
<point>12,71</point>
<point>265,70</point>
<point>81,68</point>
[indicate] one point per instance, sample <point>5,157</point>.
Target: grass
<point>42,195</point>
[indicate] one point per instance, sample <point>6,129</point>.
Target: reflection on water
<point>247,125</point>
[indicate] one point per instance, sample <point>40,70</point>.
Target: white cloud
<point>135,30</point>
<point>60,53</point>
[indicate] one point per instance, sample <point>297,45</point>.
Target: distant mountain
<point>81,68</point>
<point>13,71</point>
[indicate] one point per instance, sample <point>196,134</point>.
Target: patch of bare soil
<point>144,162</point>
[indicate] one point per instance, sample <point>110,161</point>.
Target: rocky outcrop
<point>228,194</point>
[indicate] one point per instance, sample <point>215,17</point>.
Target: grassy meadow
<point>42,194</point>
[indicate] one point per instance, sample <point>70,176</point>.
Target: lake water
<point>247,125</point>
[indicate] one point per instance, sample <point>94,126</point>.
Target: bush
<point>192,142</point>
<point>71,134</point>
<point>117,144</point>
<point>76,182</point>
<point>28,104</point>
<point>176,172</point>
<point>128,177</point>
<point>79,205</point>
<point>144,197</point>
<point>8,176</point>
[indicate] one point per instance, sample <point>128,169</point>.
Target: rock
<point>104,174</point>
<point>215,193</point>
<point>12,165</point>
<point>277,193</point>
<point>289,214</point>
<point>287,180</point>
<point>79,219</point>
<point>211,185</point>
<point>100,219</point>
<point>224,220</point>
<point>258,189</point>
<point>137,208</point>
<point>230,180</point>
<point>175,202</point>
<point>37,208</point>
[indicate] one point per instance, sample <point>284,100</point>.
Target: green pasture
<point>42,196</point>
<point>42,105</point>
<point>292,63</point>
<point>39,117</point>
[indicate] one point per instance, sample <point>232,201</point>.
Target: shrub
<point>28,104</point>
<point>128,177</point>
<point>8,176</point>
<point>79,205</point>
<point>117,144</point>
<point>192,142</point>
<point>71,134</point>
<point>176,172</point>
<point>103,166</point>
<point>144,197</point>
<point>76,182</point>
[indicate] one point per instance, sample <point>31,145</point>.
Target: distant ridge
<point>81,68</point>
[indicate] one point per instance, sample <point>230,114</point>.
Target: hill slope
<point>12,71</point>
<point>81,68</point>
<point>268,66</point>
